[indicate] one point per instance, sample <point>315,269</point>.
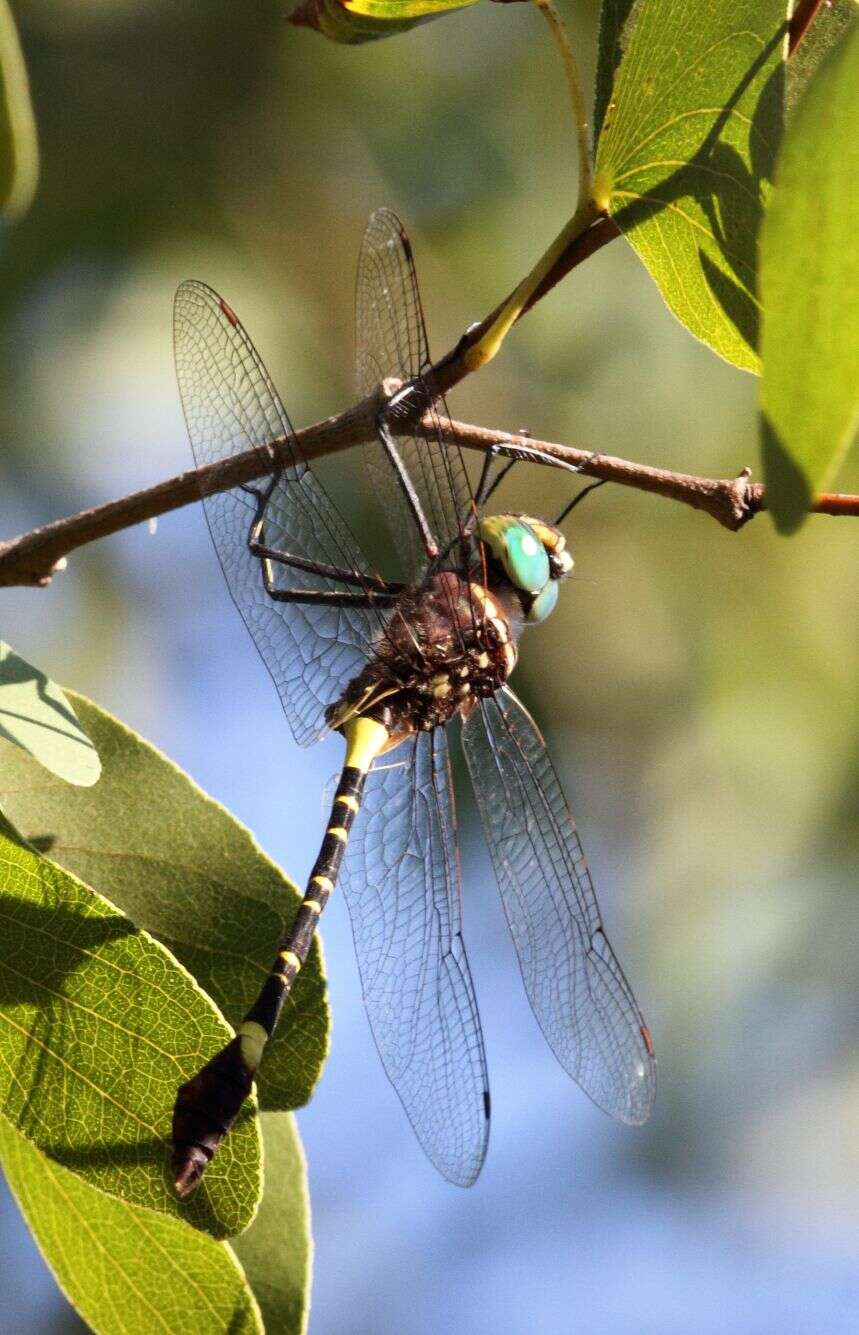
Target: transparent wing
<point>392,342</point>
<point>231,406</point>
<point>575,985</point>
<point>401,881</point>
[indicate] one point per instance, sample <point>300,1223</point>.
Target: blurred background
<point>698,688</point>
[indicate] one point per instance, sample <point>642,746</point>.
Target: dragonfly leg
<point>325,597</point>
<point>530,454</point>
<point>332,598</point>
<point>577,500</point>
<point>525,454</point>
<point>266,555</point>
<point>485,488</point>
<point>336,573</point>
<point>384,433</point>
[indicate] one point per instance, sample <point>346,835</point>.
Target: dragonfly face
<point>530,555</point>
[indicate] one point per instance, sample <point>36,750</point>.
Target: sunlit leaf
<point>35,715</point>
<point>353,21</point>
<point>275,1251</point>
<point>186,870</point>
<point>810,287</point>
<point>19,152</point>
<point>98,1027</point>
<point>686,151</point>
<point>126,1270</point>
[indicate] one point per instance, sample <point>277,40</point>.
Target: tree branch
<point>32,558</point>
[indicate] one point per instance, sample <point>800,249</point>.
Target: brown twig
<point>32,558</point>
<point>800,22</point>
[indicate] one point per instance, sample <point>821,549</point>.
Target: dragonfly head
<point>533,557</point>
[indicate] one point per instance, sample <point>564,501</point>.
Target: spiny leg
<point>384,432</point>
<point>523,454</point>
<point>577,500</point>
<point>207,1105</point>
<point>485,488</point>
<point>382,594</point>
<point>351,577</point>
<point>265,553</point>
<point>324,597</point>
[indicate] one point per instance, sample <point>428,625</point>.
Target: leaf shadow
<point>16,672</point>
<point>716,178</point>
<point>42,843</point>
<point>200,1210</point>
<point>789,492</point>
<point>70,937</point>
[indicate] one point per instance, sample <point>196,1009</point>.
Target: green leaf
<point>186,870</point>
<point>810,288</point>
<point>124,1269</point>
<point>275,1251</point>
<point>353,21</point>
<point>686,152</point>
<point>35,715</point>
<point>829,26</point>
<point>19,150</point>
<point>98,1027</point>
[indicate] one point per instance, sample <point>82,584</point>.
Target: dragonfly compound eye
<point>543,603</point>
<point>516,546</point>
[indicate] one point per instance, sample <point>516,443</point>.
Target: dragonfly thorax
<point>445,646</point>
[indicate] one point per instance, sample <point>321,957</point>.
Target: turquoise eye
<point>519,550</point>
<point>544,603</point>
<point>527,559</point>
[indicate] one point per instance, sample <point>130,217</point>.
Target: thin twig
<point>801,20</point>
<point>32,558</point>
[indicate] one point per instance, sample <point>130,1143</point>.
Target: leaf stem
<point>477,352</point>
<point>574,85</point>
<point>482,349</point>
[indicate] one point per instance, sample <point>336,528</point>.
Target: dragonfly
<point>390,665</point>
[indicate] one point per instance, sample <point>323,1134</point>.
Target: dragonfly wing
<point>392,342</point>
<point>401,881</point>
<point>575,985</point>
<point>231,406</point>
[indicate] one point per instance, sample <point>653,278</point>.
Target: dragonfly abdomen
<point>207,1105</point>
<point>295,946</point>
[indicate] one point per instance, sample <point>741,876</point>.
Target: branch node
<point>743,498</point>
